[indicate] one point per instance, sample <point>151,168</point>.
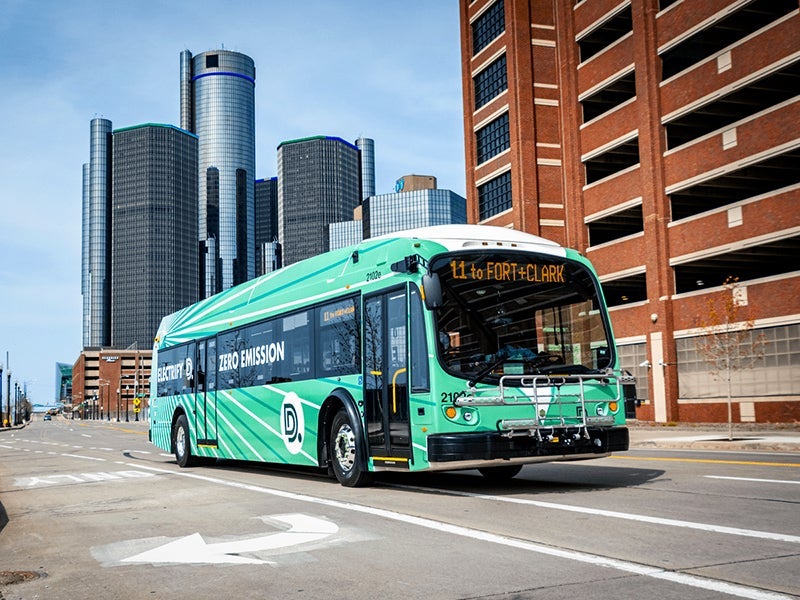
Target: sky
<point>383,69</point>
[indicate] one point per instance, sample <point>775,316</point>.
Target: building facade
<point>218,105</point>
<point>318,184</point>
<point>111,385</point>
<point>389,213</point>
<point>154,229</point>
<point>268,255</point>
<point>661,139</point>
<point>96,237</point>
<point>383,214</point>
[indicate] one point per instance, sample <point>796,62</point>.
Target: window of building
<point>612,161</point>
<point>766,176</point>
<point>617,225</point>
<point>608,32</point>
<point>722,33</point>
<point>776,371</point>
<point>490,82</point>
<point>494,196</point>
<point>493,138</point>
<point>746,101</point>
<point>631,356</point>
<point>488,26</point>
<point>752,262</point>
<point>625,290</point>
<point>212,60</point>
<point>612,95</point>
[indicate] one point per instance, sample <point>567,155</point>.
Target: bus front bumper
<point>469,450</point>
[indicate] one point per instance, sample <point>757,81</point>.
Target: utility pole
<point>8,390</point>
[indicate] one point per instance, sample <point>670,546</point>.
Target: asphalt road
<point>92,510</point>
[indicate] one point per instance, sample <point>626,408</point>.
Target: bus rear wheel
<point>182,444</point>
<point>344,450</point>
<point>503,473</point>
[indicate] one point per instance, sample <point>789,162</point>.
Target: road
<point>92,510</point>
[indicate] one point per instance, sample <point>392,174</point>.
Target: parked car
<point>48,418</point>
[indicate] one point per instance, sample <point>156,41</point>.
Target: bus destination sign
<point>507,271</point>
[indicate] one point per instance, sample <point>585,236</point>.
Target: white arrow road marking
<point>194,549</point>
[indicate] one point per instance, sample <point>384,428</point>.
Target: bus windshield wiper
<point>501,357</point>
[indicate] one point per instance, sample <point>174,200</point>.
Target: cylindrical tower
<point>85,255</point>
<point>99,322</point>
<point>187,106</point>
<point>223,98</point>
<point>367,148</point>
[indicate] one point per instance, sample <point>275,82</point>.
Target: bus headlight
<point>450,412</point>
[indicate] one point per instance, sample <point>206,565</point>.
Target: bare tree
<point>728,344</point>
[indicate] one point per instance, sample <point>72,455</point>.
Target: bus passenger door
<point>206,397</point>
<point>386,378</point>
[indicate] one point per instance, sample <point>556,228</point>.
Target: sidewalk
<point>714,436</point>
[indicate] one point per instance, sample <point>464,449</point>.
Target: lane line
<point>753,479</point>
<point>584,557</point>
<point>84,457</point>
<point>710,461</point>
<point>599,512</point>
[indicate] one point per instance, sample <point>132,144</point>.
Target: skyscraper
<point>218,105</point>
<point>268,255</point>
<point>95,255</point>
<point>318,184</point>
<point>367,148</point>
<point>154,229</point>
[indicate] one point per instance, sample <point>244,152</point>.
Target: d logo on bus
<point>292,422</point>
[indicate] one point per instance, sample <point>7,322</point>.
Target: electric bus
<point>443,348</point>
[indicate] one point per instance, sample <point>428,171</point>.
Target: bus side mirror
<point>432,290</point>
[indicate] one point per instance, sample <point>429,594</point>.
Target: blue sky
<point>384,69</point>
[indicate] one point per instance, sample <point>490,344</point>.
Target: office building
<point>96,237</point>
<point>110,384</point>
<point>318,184</point>
<point>383,214</point>
<point>366,147</point>
<point>217,90</point>
<point>660,138</point>
<point>389,213</point>
<point>268,254</point>
<point>63,385</point>
<point>154,229</point>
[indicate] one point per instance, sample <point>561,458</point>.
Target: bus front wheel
<point>344,451</point>
<point>182,443</point>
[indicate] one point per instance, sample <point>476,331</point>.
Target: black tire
<point>345,453</point>
<point>182,444</point>
<point>503,473</point>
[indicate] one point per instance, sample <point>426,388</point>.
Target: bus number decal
<point>373,275</point>
<point>452,396</point>
<point>292,422</point>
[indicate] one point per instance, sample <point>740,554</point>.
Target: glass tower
<point>218,105</point>
<point>389,213</point>
<point>267,247</point>
<point>96,241</point>
<point>367,148</point>
<point>154,229</point>
<point>318,184</point>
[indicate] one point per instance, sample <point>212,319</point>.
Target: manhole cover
<point>9,577</point>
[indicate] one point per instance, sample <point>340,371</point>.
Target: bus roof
<point>454,237</point>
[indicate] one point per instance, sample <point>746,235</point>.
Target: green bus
<point>442,348</point>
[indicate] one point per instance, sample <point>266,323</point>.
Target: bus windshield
<point>508,313</point>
